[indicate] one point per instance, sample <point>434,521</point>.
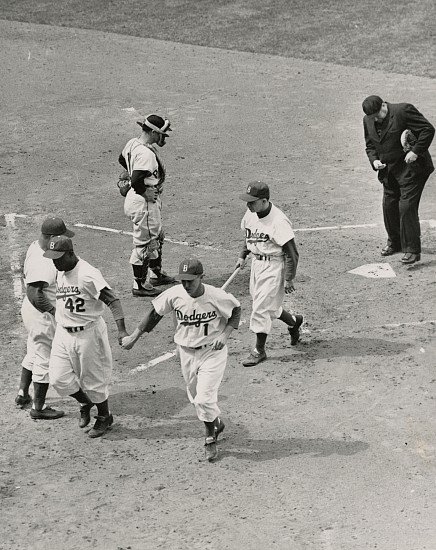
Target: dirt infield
<point>329,446</point>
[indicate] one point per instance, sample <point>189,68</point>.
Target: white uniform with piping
<point>198,323</point>
<point>265,238</point>
<point>40,326</point>
<point>81,355</point>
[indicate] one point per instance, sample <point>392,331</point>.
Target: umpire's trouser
<point>400,212</point>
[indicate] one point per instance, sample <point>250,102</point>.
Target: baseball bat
<point>230,279</point>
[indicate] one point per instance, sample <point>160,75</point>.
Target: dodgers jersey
<point>199,320</point>
<point>39,268</point>
<point>77,293</point>
<point>266,236</point>
<point>142,157</point>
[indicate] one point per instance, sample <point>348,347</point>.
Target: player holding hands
<point>205,317</point>
<point>81,358</point>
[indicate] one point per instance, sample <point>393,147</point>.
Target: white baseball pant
<point>203,370</point>
<point>41,329</point>
<point>267,290</point>
<point>82,360</point>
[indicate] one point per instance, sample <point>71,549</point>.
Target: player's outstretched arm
<point>108,297</point>
<point>150,320</point>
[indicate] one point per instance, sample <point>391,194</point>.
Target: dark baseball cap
<point>372,105</point>
<point>156,123</point>
<point>55,226</point>
<point>57,247</point>
<point>189,269</point>
<point>255,190</point>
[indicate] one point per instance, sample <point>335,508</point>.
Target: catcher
<point>141,184</point>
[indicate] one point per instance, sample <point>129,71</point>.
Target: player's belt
<point>74,329</point>
<point>267,258</point>
<point>200,347</point>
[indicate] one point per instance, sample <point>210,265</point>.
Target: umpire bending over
<point>403,174</point>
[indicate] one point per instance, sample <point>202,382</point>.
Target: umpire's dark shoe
<point>254,358</point>
<point>46,414</point>
<point>389,250</point>
<point>85,415</point>
<point>162,280</point>
<point>101,426</point>
<point>410,258</point>
<point>295,330</point>
<point>145,292</point>
<point>23,400</point>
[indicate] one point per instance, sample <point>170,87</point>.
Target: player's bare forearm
<point>243,255</point>
<point>122,331</point>
<point>221,340</point>
<point>150,320</point>
<point>127,342</point>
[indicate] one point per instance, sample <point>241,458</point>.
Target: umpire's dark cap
<point>372,105</point>
<point>57,247</point>
<point>255,190</point>
<point>55,226</point>
<point>156,123</point>
<point>189,269</point>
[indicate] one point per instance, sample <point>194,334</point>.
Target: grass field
<point>390,35</point>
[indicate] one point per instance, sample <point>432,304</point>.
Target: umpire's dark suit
<point>402,183</point>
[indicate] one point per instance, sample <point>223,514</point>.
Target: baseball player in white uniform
<point>81,358</point>
<point>270,239</point>
<point>205,317</point>
<point>143,203</point>
<point>37,311</point>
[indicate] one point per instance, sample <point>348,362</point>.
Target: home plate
<point>374,271</point>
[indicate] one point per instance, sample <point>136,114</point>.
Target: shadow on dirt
<point>258,450</point>
<point>150,403</point>
<point>346,346</point>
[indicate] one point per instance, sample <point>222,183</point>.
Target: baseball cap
<point>255,190</point>
<point>156,123</point>
<point>189,269</point>
<point>55,226</point>
<point>372,105</point>
<point>57,247</point>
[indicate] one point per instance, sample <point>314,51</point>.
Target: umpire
<point>403,174</point>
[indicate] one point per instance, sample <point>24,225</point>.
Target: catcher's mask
<point>156,123</point>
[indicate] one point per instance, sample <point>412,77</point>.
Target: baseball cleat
<point>46,414</point>
<point>85,415</point>
<point>23,400</point>
<point>145,292</point>
<point>162,279</point>
<point>295,330</point>
<point>211,450</point>
<point>101,426</point>
<point>219,427</point>
<point>254,358</point>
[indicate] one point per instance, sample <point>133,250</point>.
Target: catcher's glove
<point>124,182</point>
<point>408,140</point>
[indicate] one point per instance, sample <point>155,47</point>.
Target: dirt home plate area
<point>329,445</point>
